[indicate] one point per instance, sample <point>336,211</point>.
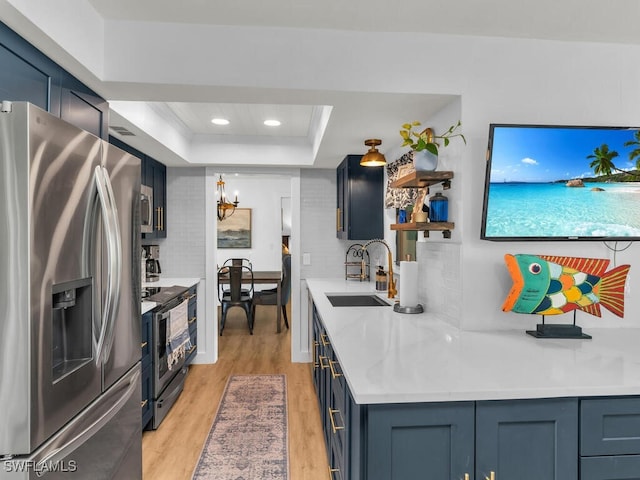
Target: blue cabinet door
<point>527,439</point>
<point>83,108</point>
<point>360,199</point>
<point>27,74</point>
<point>408,442</point>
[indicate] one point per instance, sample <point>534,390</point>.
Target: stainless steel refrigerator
<point>69,301</point>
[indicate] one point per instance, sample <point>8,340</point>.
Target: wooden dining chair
<point>270,296</point>
<point>236,295</point>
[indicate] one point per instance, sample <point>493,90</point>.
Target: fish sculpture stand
<point>553,285</point>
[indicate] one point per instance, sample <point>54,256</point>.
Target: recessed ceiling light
<point>272,123</point>
<point>220,121</point>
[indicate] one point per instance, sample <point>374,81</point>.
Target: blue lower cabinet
<point>420,441</point>
<point>615,467</point>
<point>527,439</point>
<point>610,438</point>
<point>610,426</point>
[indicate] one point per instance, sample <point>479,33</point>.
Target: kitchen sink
<point>360,300</point>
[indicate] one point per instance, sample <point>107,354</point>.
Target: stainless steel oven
<point>146,209</point>
<point>167,382</point>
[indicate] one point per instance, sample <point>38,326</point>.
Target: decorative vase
<point>424,161</point>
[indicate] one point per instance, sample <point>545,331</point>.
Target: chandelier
<point>225,207</point>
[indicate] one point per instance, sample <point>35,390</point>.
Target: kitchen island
<point>404,394</point>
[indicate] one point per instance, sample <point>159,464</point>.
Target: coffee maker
<point>152,270</point>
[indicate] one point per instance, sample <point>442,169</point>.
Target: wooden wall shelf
<point>422,179</point>
<point>426,227</point>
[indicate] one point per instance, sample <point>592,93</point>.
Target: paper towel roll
<point>408,284</point>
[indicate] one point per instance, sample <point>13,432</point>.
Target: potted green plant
<point>424,143</point>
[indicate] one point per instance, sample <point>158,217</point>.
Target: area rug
<point>248,438</point>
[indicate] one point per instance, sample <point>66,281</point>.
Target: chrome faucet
<point>391,284</point>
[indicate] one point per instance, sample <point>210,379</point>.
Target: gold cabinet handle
<point>162,218</point>
<point>325,340</point>
<point>322,365</point>
<point>335,427</point>
<point>144,344</point>
<point>466,476</point>
<point>338,228</point>
<point>316,363</point>
<point>158,218</point>
<point>192,319</point>
<point>192,349</point>
<point>492,476</point>
<point>334,374</point>
<point>334,473</point>
<point>144,404</point>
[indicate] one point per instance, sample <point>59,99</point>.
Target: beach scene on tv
<point>558,182</point>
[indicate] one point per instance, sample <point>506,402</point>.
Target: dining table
<point>263,277</point>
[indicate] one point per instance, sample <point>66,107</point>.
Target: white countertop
<point>390,357</point>
<point>166,282</point>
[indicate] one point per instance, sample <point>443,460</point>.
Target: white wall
<point>262,194</point>
<point>498,80</point>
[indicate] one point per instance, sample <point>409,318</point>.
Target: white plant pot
<point>424,161</point>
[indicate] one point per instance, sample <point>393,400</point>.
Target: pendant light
<point>373,158</point>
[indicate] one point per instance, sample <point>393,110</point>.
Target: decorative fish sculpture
<point>552,285</point>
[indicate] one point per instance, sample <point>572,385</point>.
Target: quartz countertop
<point>390,357</point>
<point>166,282</point>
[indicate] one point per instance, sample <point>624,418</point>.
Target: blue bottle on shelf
<point>438,208</point>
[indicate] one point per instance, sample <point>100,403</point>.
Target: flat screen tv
<point>547,182</point>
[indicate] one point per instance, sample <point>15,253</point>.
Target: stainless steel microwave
<point>146,209</point>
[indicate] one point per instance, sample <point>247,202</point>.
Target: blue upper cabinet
<point>360,200</point>
<point>29,75</point>
<point>83,108</point>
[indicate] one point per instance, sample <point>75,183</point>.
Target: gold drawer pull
<point>192,349</point>
<point>144,404</point>
<point>334,374</point>
<point>333,471</point>
<point>192,319</point>
<point>322,365</point>
<point>466,476</point>
<point>335,427</point>
<point>144,344</point>
<point>316,363</point>
<point>492,476</point>
<point>325,340</point>
<point>190,296</point>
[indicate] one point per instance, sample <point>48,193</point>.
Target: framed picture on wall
<point>235,231</point>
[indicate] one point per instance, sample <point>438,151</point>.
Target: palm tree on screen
<point>635,153</point>
<point>602,163</point>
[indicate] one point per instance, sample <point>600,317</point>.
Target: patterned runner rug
<point>248,438</point>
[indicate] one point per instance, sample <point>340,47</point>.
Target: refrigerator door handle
<point>114,262</point>
<point>61,446</point>
<point>115,275</point>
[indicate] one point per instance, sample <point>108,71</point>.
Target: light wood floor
<point>171,452</point>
